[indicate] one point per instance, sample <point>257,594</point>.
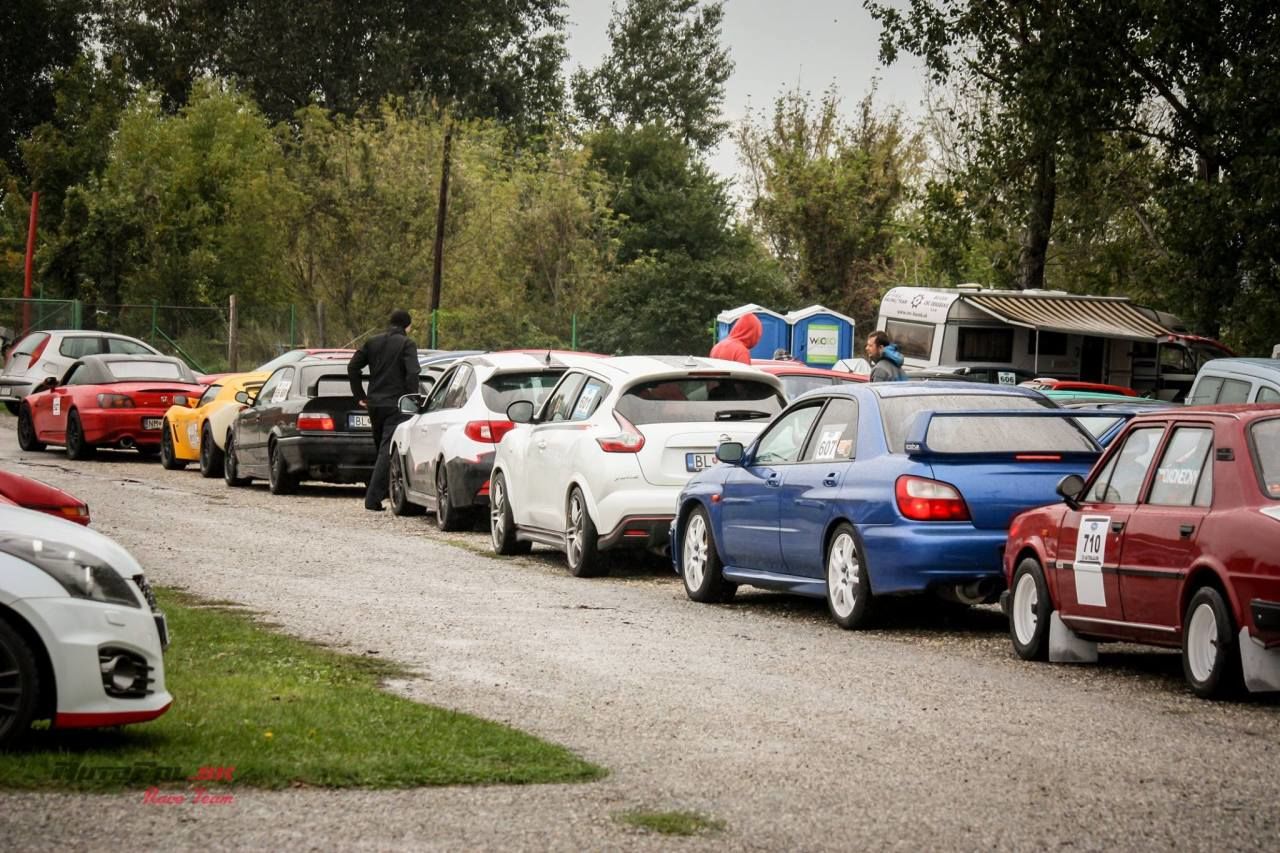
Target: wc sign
<point>822,344</point>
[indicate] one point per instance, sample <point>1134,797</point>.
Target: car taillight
<point>38,351</point>
<point>314,421</point>
<point>921,499</point>
<point>628,441</point>
<point>488,432</point>
<point>114,401</point>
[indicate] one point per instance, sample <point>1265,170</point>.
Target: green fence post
<point>154,321</point>
<point>77,314</point>
<point>293,325</point>
<point>433,328</point>
<point>574,346</point>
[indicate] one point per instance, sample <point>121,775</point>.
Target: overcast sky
<point>777,45</point>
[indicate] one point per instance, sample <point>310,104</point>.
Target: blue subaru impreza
<point>860,491</point>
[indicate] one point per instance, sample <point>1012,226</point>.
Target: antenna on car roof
<point>548,360</point>
<point>689,362</point>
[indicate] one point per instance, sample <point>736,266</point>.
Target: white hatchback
<point>599,465</point>
<point>81,640</point>
<point>43,355</point>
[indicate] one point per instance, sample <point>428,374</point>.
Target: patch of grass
<point>284,713</point>
<point>671,823</point>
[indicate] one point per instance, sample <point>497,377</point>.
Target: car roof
<point>89,333</point>
<point>919,389</point>
<point>1269,367</point>
<point>530,359</point>
<point>111,357</point>
<point>1234,411</point>
<point>635,366</point>
<point>779,367</point>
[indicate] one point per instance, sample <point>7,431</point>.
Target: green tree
<point>665,64</point>
<point>681,259</point>
<point>828,196</point>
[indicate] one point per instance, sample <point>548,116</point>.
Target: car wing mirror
<point>49,382</point>
<point>411,404</point>
<point>1070,488</point>
<point>520,412</point>
<point>731,452</point>
<point>243,398</point>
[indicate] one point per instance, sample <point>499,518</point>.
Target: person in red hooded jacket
<point>744,335</point>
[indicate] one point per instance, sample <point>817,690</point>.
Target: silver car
<point>40,355</point>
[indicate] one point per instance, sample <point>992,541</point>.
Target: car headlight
<point>81,574</point>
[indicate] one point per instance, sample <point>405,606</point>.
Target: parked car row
<point>1109,517</point>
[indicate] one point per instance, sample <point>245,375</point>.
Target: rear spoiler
<point>917,444</point>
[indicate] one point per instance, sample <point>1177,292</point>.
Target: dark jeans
<point>384,420</point>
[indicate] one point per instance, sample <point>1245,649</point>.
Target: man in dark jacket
<point>886,361</point>
<point>392,359</point>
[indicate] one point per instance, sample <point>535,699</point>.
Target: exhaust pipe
<point>127,442</point>
<point>976,592</point>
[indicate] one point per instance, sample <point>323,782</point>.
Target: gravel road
<point>925,734</point>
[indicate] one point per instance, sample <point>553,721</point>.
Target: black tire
<point>211,458</point>
<point>399,488</point>
<point>1029,610</point>
<point>231,466</point>
<point>502,523</point>
<point>27,431</point>
<point>168,457</point>
<point>19,686</point>
<point>848,582</point>
<point>12,406</point>
<point>700,565</point>
<point>449,518</point>
<point>76,446</point>
<point>581,541</point>
<point>1210,653</point>
<point>280,480</point>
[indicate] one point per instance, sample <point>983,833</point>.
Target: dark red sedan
<point>27,493</point>
<point>106,401</point>
<point>1173,540</point>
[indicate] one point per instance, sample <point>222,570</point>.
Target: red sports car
<point>1046,384</point>
<point>798,377</point>
<point>106,401</point>
<point>32,494</point>
<point>1173,540</point>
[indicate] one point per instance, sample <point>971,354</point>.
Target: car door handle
<point>1117,527</point>
<point>1186,530</point>
<point>775,480</point>
<point>830,480</point>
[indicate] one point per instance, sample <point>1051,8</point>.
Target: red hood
<point>747,331</point>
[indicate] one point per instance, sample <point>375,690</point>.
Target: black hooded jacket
<point>392,359</point>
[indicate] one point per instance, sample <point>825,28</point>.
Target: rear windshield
<point>699,399</point>
<point>1097,425</point>
<point>979,433</point>
<point>506,388</point>
<point>1266,453</point>
<point>145,370</point>
<point>333,385</point>
<point>28,345</point>
<point>797,385</point>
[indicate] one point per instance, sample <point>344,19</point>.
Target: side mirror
<point>49,382</point>
<point>411,404</point>
<point>1070,487</point>
<point>731,452</point>
<point>243,398</point>
<point>520,412</point>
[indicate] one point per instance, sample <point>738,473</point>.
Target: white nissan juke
<point>81,639</point>
<point>599,465</point>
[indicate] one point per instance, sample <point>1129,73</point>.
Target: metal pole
<point>437,267</point>
<point>31,251</point>
<point>154,312</point>
<point>293,321</point>
<point>1036,369</point>
<point>574,345</point>
<point>233,335</point>
<point>433,328</point>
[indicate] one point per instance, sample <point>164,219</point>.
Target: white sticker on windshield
<point>829,442</point>
<point>282,391</point>
<point>1007,378</point>
<point>1091,553</point>
<point>57,405</point>
<point>583,408</point>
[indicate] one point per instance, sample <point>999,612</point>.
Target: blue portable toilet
<point>820,337</point>
<point>775,334</point>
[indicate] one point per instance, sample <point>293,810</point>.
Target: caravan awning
<point>1096,316</point>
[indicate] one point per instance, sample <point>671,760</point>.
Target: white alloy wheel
<point>1202,642</point>
<point>497,510</point>
<point>844,575</point>
<point>1026,601</point>
<point>694,554</point>
<point>574,532</point>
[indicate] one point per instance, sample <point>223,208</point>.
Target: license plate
<point>698,461</point>
<point>5,390</point>
<point>359,422</point>
<point>152,423</point>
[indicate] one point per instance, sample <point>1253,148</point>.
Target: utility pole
<point>31,251</point>
<point>437,266</point>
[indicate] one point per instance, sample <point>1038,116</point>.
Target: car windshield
<point>980,433</point>
<point>797,385</point>
<point>1266,452</point>
<point>502,390</point>
<point>699,399</point>
<point>144,370</point>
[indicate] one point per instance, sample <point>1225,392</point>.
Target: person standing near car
<point>744,335</point>
<point>392,359</point>
<point>886,361</point>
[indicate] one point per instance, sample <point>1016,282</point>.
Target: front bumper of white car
<point>107,660</point>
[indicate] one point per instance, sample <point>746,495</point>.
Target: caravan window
<point>982,344</point>
<point>914,340</point>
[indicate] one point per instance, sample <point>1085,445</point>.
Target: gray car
<point>40,355</point>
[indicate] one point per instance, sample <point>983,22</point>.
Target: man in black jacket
<point>392,359</point>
